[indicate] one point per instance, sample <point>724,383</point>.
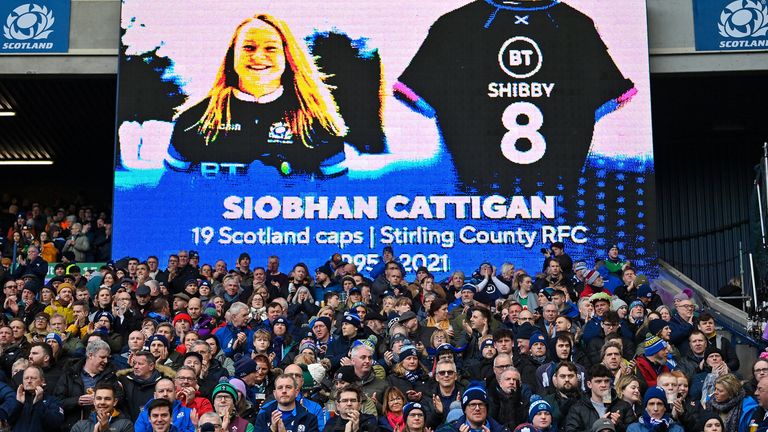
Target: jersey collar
<point>267,98</point>
<point>518,5</point>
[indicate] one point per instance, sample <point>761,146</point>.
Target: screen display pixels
<point>456,132</point>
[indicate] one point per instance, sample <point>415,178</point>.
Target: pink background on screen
<point>195,35</point>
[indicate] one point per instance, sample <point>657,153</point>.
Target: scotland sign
<point>731,25</point>
<point>34,26</point>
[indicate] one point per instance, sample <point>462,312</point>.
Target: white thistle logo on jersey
<point>744,18</point>
<point>280,133</point>
<point>29,21</point>
<point>520,57</point>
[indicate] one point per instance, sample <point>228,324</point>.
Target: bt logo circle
<point>520,57</point>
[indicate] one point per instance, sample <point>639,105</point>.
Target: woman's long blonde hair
<point>314,104</point>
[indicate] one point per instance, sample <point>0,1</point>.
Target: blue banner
<point>34,26</point>
<point>730,25</point>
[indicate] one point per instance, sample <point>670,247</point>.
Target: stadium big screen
<point>457,132</point>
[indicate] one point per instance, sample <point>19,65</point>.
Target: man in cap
<point>536,356</point>
<point>351,330</point>
<point>653,362</point>
<point>613,263</point>
<point>602,304</point>
<point>657,412</point>
<point>648,296</point>
<point>184,272</point>
<point>474,404</point>
<point>420,335</point>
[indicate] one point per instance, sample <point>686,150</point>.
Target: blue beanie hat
<point>655,393</point>
<point>652,345</point>
<point>484,344</point>
<point>536,337</point>
<point>407,351</point>
<point>410,406</point>
<point>537,405</point>
<point>473,393</point>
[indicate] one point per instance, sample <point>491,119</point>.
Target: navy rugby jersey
<point>516,88</point>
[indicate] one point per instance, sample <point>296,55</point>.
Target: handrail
<point>732,319</point>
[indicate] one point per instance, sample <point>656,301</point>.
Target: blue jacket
<point>313,407</point>
<point>181,418</point>
<point>302,420</point>
<point>680,331</point>
<point>39,416</point>
<point>227,335</point>
<point>9,406</point>
<point>748,407</point>
<point>592,329</point>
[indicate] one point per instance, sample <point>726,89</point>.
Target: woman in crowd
<point>392,419</point>
<point>730,402</point>
<point>409,375</point>
<point>437,316</point>
<point>628,390</point>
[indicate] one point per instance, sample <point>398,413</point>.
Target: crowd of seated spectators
<point>63,233</point>
<point>206,345</point>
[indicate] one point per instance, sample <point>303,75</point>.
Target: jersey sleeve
<point>611,88</point>
<point>423,81</point>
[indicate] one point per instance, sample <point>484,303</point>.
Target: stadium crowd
<point>204,347</point>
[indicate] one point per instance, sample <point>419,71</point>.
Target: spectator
<point>180,416</point>
<point>75,387</point>
<point>656,414</point>
<point>38,410</point>
<point>139,382</point>
<point>106,416</point>
<point>289,415</point>
<point>474,404</point>
<point>78,243</point>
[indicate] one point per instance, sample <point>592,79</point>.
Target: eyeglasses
<point>687,306</point>
<point>476,405</point>
<point>446,372</point>
<point>761,371</point>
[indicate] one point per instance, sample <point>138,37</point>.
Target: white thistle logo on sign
<point>744,18</point>
<point>29,21</point>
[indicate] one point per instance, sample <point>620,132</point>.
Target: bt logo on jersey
<point>520,57</point>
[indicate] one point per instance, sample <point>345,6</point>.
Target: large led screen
<point>456,132</point>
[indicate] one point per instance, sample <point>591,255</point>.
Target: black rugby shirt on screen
<point>257,131</point>
<point>548,68</point>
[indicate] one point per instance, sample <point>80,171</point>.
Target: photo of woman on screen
<point>268,104</point>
